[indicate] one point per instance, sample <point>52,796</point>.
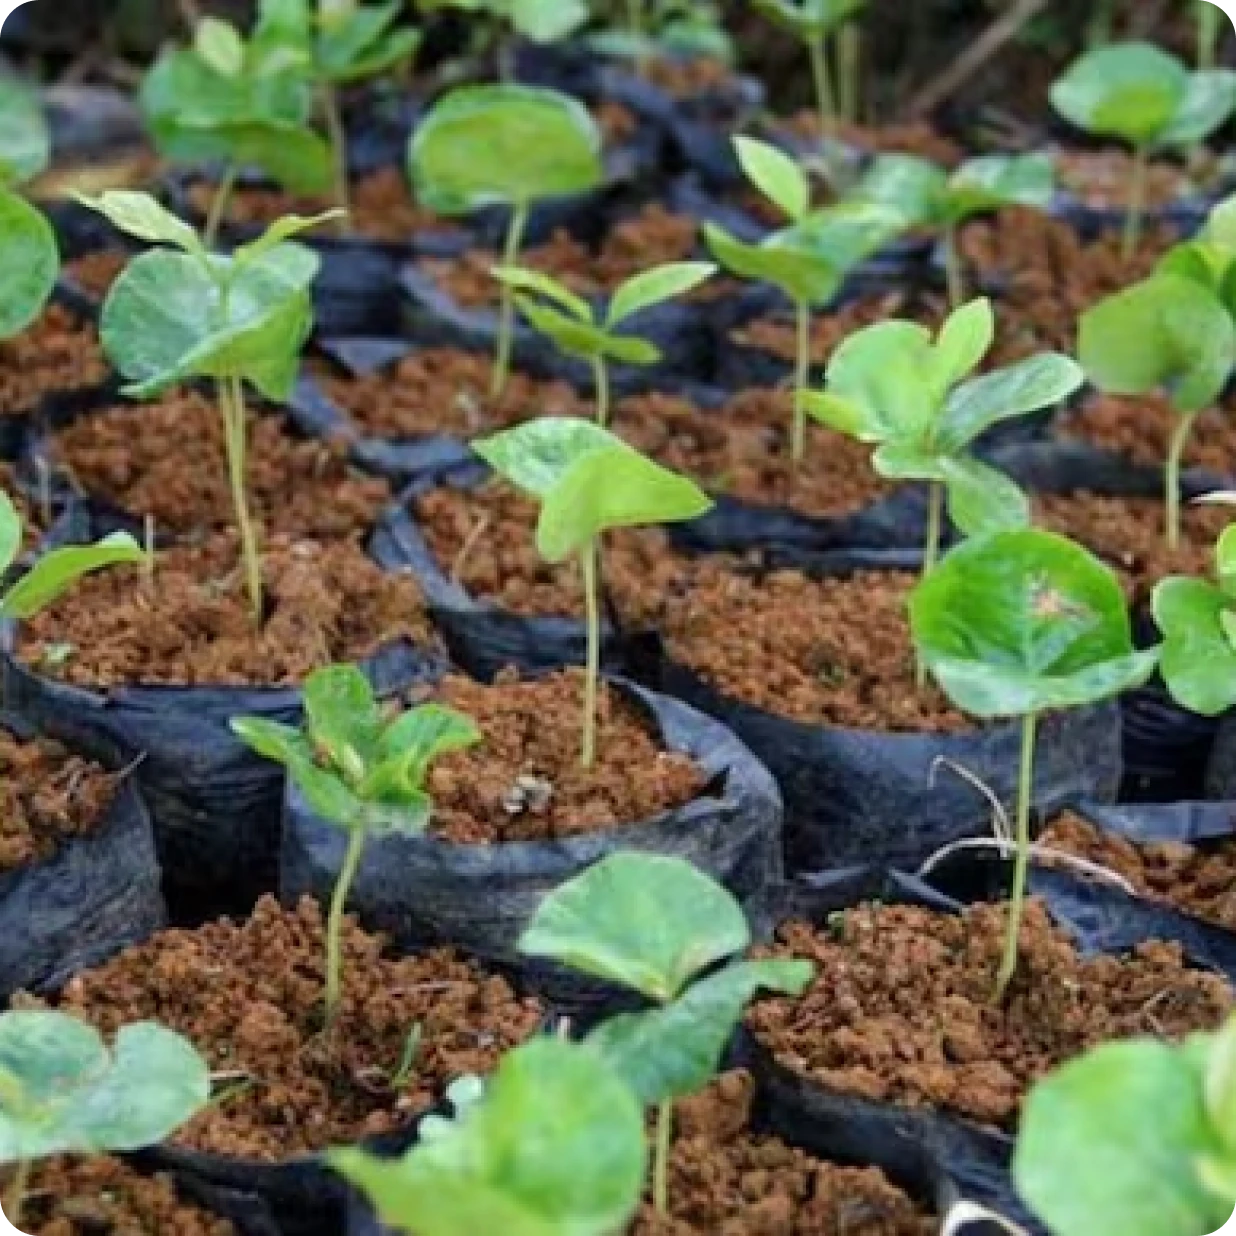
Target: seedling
<point>1017,624</point>
<point>808,260</point>
<point>1146,97</point>
<point>538,21</point>
<point>893,385</point>
<point>1209,259</point>
<point>676,28</point>
<point>63,1091</point>
<point>578,329</point>
<point>554,1147</point>
<point>1137,1136</point>
<point>588,482</point>
<point>180,312</point>
<point>29,255</point>
<point>360,772</point>
<point>504,146</point>
<point>655,925</point>
<point>1166,333</point>
<point>943,201</point>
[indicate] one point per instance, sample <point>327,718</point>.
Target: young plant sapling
<point>538,21</point>
<point>943,201</point>
<point>1209,258</point>
<point>508,146</point>
<point>1134,1136</point>
<point>29,254</point>
<point>577,327</point>
<point>1146,97</point>
<point>660,927</point>
<point>809,259</point>
<point>1167,333</point>
<point>913,396</point>
<point>588,482</point>
<point>64,1091</point>
<point>682,29</point>
<point>1017,624</point>
<point>180,312</point>
<point>554,1147</point>
<point>360,772</point>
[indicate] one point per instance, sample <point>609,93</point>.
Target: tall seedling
<point>579,330</point>
<point>1144,96</point>
<point>659,927</point>
<point>180,312</point>
<point>359,771</point>
<point>809,260</point>
<point>538,21</point>
<point>508,146</point>
<point>588,482</point>
<point>1018,624</point>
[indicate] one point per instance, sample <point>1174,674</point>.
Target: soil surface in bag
<point>917,137</point>
<point>1100,179</point>
<point>58,354</point>
<point>93,274</point>
<point>168,460</point>
<point>249,995</point>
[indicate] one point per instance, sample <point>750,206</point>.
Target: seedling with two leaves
<point>360,772</point>
<point>180,312</point>
<point>809,259</point>
<point>660,927</point>
<point>508,146</point>
<point>578,329</point>
<point>64,1091</point>
<point>1018,624</point>
<point>588,482</point>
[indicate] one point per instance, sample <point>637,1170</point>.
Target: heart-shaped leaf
<point>29,263</point>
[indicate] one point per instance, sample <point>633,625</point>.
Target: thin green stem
<point>592,669</point>
<point>931,553</point>
<point>334,923</point>
<point>802,376</point>
<point>849,65</point>
<point>337,136</point>
<point>1137,204</point>
<point>637,29</point>
<point>235,440</point>
<point>15,1195</point>
<point>1209,29</point>
<point>1171,478</point>
<point>600,376</point>
<point>660,1165</point>
<point>219,205</point>
<point>821,76</point>
<point>1021,862</point>
<point>506,313</point>
<point>953,275</point>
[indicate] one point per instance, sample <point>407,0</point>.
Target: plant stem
<point>660,1165</point>
<point>931,553</point>
<point>802,376</point>
<point>334,924</point>
<point>1209,29</point>
<point>15,1195</point>
<point>235,440</point>
<point>1021,864</point>
<point>1171,478</point>
<point>849,58</point>
<point>825,100</point>
<point>337,136</point>
<point>953,275</point>
<point>592,669</point>
<point>600,375</point>
<point>506,315</point>
<point>218,206</point>
<point>1137,204</point>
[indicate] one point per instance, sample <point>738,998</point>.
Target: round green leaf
<point>915,187</point>
<point>1197,660</point>
<point>29,263</point>
<point>536,455</point>
<point>993,181</point>
<point>1209,101</point>
<point>25,142</point>
<point>58,570</point>
<point>548,21</point>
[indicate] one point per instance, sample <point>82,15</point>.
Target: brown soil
<point>95,272</point>
<point>617,122</point>
<point>102,1197</point>
<point>485,538</point>
<point>1128,534</point>
<point>901,1008</point>
<point>913,137</point>
<point>47,796</point>
<point>58,353</point>
<point>525,781</point>
<point>167,460</point>
<point>249,996</point>
<point>1199,879</point>
<point>325,603</point>
<point>445,391</point>
<point>1101,178</point>
<point>830,651</point>
<point>725,1179</point>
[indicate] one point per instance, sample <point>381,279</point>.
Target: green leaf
<point>981,499</point>
<point>140,215</point>
<point>654,287</point>
<point>500,145</point>
<point>1197,659</point>
<point>355,43</point>
<point>776,175</point>
<point>343,718</point>
<point>29,263</point>
<point>281,230</point>
<point>572,336</point>
<point>548,21</point>
<point>418,737</point>
<point>10,532</point>
<point>219,46</point>
<point>25,143</point>
<point>993,181</point>
<point>809,19</point>
<point>59,569</point>
<point>1221,224</point>
<point>644,921</point>
<point>913,186</point>
<point>1166,332</point>
<point>964,339</point>
<point>674,1051</point>
<point>1225,560</point>
<point>1219,1084</point>
<point>536,455</point>
<point>524,280</point>
<point>1209,101</point>
<point>1108,1145</point>
<point>1025,621</point>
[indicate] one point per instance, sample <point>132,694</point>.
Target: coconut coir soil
<point>1101,178</point>
<point>913,137</point>
<point>190,625</point>
<point>524,782</point>
<point>94,273</point>
<point>249,996</point>
<point>725,1179</point>
<point>1199,879</point>
<point>59,353</point>
<point>901,1007</point>
<point>102,1197</point>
